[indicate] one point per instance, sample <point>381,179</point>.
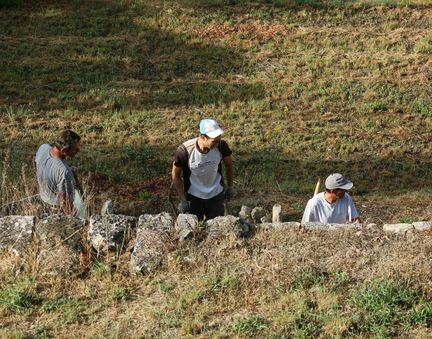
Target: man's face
<point>210,143</point>
<point>73,150</point>
<point>339,192</point>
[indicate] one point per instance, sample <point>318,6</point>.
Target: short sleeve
<point>307,213</point>
<point>65,184</point>
<point>224,149</point>
<point>180,158</point>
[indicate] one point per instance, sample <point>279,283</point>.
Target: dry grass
<point>302,88</point>
<point>205,288</point>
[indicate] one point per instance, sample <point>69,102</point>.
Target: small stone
<point>422,225</point>
<point>398,228</point>
<point>161,222</point>
<point>372,227</point>
<point>245,213</point>
<point>185,225</point>
<point>315,226</point>
<point>222,226</point>
<point>349,226</point>
<point>277,214</point>
<point>257,213</point>
<point>281,225</point>
<point>109,231</point>
<point>266,219</point>
<point>107,208</point>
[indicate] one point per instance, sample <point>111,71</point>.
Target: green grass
<point>302,89</point>
<point>20,298</point>
<point>250,324</point>
<point>384,305</point>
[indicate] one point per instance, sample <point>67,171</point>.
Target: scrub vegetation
<point>302,88</point>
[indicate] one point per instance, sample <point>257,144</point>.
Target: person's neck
<point>330,197</point>
<point>201,146</point>
<point>55,153</point>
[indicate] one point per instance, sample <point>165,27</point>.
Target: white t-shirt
<point>319,210</point>
<point>205,179</point>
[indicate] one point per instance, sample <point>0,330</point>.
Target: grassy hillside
<point>303,88</point>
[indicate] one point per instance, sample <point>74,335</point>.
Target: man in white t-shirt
<point>197,172</point>
<point>334,206</point>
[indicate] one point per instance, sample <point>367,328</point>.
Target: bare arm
<point>229,167</point>
<point>356,220</point>
<point>178,181</point>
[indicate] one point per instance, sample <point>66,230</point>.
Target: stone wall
<point>58,240</point>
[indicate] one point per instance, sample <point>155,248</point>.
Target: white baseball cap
<point>210,128</point>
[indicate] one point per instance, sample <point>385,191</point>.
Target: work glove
<point>183,207</point>
<point>230,193</point>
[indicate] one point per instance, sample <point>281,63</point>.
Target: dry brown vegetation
<point>303,88</point>
<point>206,288</point>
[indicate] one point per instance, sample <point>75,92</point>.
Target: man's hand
<point>230,193</point>
<point>183,207</point>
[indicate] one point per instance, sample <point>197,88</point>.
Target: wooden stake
<point>317,187</point>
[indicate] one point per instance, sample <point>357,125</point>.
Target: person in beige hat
<point>334,206</point>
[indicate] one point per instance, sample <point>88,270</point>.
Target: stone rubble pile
<point>58,240</point>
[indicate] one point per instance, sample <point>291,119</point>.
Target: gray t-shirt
<point>54,175</point>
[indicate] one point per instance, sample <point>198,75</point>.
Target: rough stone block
<point>422,225</point>
<point>221,226</point>
<point>110,231</point>
<point>245,213</point>
<point>350,226</point>
<point>398,228</point>
<point>373,227</point>
<point>152,236</point>
<point>60,243</point>
<point>281,225</point>
<point>277,214</point>
<point>257,213</point>
<point>16,233</point>
<point>160,222</point>
<point>185,225</point>
<point>315,226</point>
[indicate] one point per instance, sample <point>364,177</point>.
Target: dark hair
<point>66,139</point>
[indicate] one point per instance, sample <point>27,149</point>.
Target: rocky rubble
<point>59,239</point>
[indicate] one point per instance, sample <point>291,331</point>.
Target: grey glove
<point>183,207</point>
<point>230,193</point>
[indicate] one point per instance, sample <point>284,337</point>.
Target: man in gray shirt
<point>55,177</point>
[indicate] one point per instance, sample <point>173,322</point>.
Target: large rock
<point>185,225</point>
<point>398,228</point>
<point>60,244</point>
<point>422,225</point>
<point>110,231</point>
<point>221,226</point>
<point>16,233</point>
<point>150,247</point>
